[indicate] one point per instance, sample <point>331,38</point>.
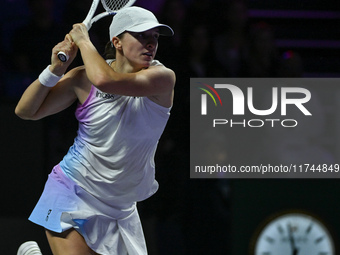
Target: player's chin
<point>146,64</point>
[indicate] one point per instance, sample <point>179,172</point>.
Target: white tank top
<point>113,154</point>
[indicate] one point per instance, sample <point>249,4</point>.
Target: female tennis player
<point>88,205</point>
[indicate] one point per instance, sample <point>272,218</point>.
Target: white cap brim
<point>163,29</point>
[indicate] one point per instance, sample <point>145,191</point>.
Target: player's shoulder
<point>78,72</point>
<point>78,77</point>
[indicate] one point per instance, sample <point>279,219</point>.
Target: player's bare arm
<point>39,100</point>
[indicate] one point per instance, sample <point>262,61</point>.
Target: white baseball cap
<point>136,19</point>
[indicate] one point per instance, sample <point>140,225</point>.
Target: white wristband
<point>49,79</point>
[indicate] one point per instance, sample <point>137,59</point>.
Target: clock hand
<point>292,241</point>
<point>295,251</point>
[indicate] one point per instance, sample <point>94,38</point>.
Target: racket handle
<point>62,56</point>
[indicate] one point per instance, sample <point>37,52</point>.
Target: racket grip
<point>62,56</point>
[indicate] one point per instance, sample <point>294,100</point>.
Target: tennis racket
<point>111,8</point>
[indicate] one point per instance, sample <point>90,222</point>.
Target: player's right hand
<point>69,48</point>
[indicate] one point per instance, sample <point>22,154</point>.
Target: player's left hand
<point>79,33</point>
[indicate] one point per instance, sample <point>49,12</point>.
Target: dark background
<point>213,39</point>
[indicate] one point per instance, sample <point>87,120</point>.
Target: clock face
<point>294,234</point>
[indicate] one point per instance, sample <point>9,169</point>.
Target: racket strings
<point>115,5</point>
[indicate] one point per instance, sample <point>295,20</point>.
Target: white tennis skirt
<point>106,229</point>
